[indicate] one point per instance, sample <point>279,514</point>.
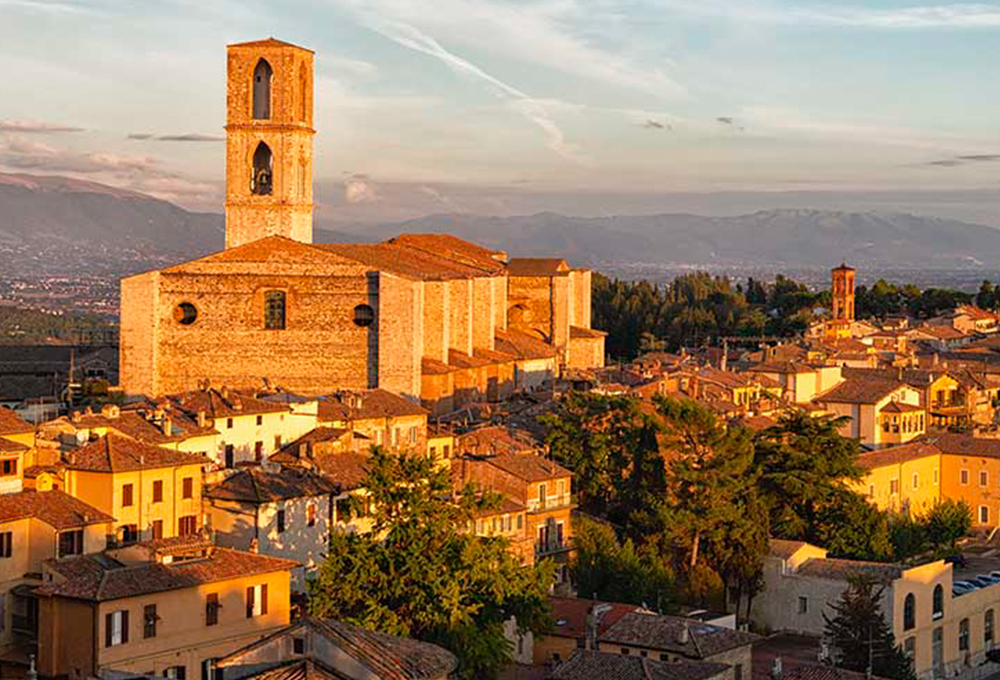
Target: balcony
<point>552,547</point>
<point>564,500</point>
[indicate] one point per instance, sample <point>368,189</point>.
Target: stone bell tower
<point>269,133</point>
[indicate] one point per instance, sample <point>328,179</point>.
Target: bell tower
<point>269,104</point>
<point>842,280</point>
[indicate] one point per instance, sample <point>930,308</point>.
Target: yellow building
<point>167,608</point>
<point>903,479</point>
<point>34,527</point>
<point>17,438</point>
<point>880,412</point>
<point>152,492</point>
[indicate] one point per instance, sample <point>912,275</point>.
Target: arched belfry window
<point>262,90</point>
<point>304,93</point>
<point>262,180</point>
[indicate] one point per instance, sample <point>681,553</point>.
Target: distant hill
<point>71,220</point>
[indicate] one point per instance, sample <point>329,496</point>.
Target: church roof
<point>538,266</point>
<point>269,42</point>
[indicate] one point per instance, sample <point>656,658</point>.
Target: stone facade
<point>430,317</point>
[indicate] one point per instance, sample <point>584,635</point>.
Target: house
<point>968,319</point>
<point>384,418</point>
<point>152,492</point>
<point>508,520</point>
<point>541,485</point>
<point>945,633</point>
<point>284,514</point>
<point>324,649</point>
<point>17,440</point>
<point>35,527</point>
<point>577,624</point>
<point>943,337</point>
<point>881,411</point>
<point>588,665</point>
<point>496,440</point>
<point>800,382</point>
<point>905,479</point>
<point>168,608</point>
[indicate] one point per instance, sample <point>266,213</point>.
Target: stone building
<point>423,316</point>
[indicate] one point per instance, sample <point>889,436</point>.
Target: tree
<point>418,574</point>
<point>946,522</point>
<point>850,527</point>
<point>738,547</point>
<point>708,467</point>
<point>861,636</point>
<point>619,571</point>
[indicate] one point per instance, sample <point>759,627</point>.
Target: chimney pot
<point>776,668</point>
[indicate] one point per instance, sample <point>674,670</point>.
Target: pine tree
<point>860,634</point>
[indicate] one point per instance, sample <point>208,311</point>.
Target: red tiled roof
<point>8,447</point>
<point>537,266</point>
<point>430,366</point>
<point>463,360</point>
<point>965,445</point>
<point>56,508</point>
<point>100,578</point>
<point>661,632</point>
<point>858,390</point>
<point>224,403</point>
<point>901,407</point>
<point>254,485</point>
<point>569,615</point>
<point>841,570</point>
<point>897,454</point>
<point>585,333</point>
<point>523,346</point>
<point>269,42</point>
<point>783,549</point>
<point>367,405</point>
<point>115,453</point>
<point>11,423</point>
<point>605,665</point>
<point>529,467</point>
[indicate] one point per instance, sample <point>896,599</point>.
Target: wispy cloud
<point>725,120</point>
<point>188,137</point>
<point>531,108</point>
<point>35,127</point>
<point>651,124</point>
<point>967,159</point>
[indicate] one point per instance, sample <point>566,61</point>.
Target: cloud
<point>981,158</point>
<point>966,160</point>
<point>359,189</point>
<point>188,137</point>
<point>35,127</point>
<point>651,124</point>
<point>963,15</point>
<point>535,110</point>
<point>725,120</point>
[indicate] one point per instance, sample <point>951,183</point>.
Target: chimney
<point>76,417</point>
<point>254,545</point>
<point>202,418</point>
<point>32,671</point>
<point>168,426</point>
<point>684,635</point>
<point>776,668</point>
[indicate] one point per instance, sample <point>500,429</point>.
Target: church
<point>428,316</point>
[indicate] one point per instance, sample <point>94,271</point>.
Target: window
<point>963,477</point>
<point>738,672</point>
<point>343,509</point>
<point>984,478</point>
<point>212,609</point>
<point>803,605</point>
<point>277,442</point>
<point>158,491</point>
<point>116,628</point>
<point>71,543</point>
<point>262,76</point>
<point>230,456</point>
<point>157,529</point>
<point>935,476</point>
<point>364,316</point>
<point>625,651</point>
<point>185,314</point>
<point>871,491</point>
<point>937,610</point>
<point>256,601</point>
<point>274,310</point>
<point>127,496</point>
<point>209,671</point>
<point>447,451</point>
<point>187,525</point>
<point>520,521</point>
<point>8,467</point>
<point>311,514</point>
<point>413,435</point>
<point>175,672</point>
<point>149,619</point>
<point>187,488</point>
<point>281,521</point>
<point>298,645</point>
<point>6,544</point>
<point>916,480</point>
<point>229,423</point>
<point>988,628</point>
<point>433,451</point>
<point>984,514</point>
<point>893,487</point>
<point>541,494</point>
<point>258,451</point>
<point>260,420</point>
<point>963,635</point>
<point>909,611</point>
<point>129,533</point>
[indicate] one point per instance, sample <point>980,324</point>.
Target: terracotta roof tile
<point>897,454</point>
<point>269,42</point>
<point>56,508</point>
<point>661,632</point>
<point>529,467</point>
<point>11,423</point>
<point>430,366</point>
<point>841,570</point>
<point>859,390</point>
<point>115,453</point>
<point>590,665</point>
<point>8,447</point>
<point>569,615</point>
<point>216,403</point>
<point>101,578</point>
<point>537,266</point>
<point>254,485</point>
<point>367,405</point>
<point>523,346</point>
<point>491,441</point>
<point>783,549</point>
<point>965,445</point>
<point>462,360</point>
<point>585,333</point>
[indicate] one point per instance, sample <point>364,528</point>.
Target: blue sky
<point>570,96</point>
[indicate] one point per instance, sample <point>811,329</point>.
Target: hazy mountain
<point>66,217</point>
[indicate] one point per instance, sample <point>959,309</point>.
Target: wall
<point>917,500</point>
<point>973,493</point>
<point>399,319</point>
<point>137,349</point>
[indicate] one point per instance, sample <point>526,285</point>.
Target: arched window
<point>988,629</point>
<point>185,313</point>
<point>274,310</point>
<point>364,316</point>
<point>262,180</point>
<point>262,75</point>
<point>909,612</point>
<point>938,604</point>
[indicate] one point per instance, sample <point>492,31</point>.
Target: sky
<point>507,105</point>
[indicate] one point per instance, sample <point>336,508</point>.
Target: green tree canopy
<point>419,574</point>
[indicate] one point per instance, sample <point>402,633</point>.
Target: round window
<point>364,315</point>
<point>185,313</point>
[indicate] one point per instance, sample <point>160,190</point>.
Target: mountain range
<point>69,216</point>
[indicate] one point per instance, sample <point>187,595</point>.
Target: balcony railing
<point>563,500</point>
<point>552,547</point>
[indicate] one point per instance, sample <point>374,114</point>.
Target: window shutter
<point>250,602</point>
<point>108,623</point>
<point>124,615</point>
<point>263,599</point>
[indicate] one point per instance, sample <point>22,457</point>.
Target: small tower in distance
<point>269,117</point>
<point>842,294</point>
